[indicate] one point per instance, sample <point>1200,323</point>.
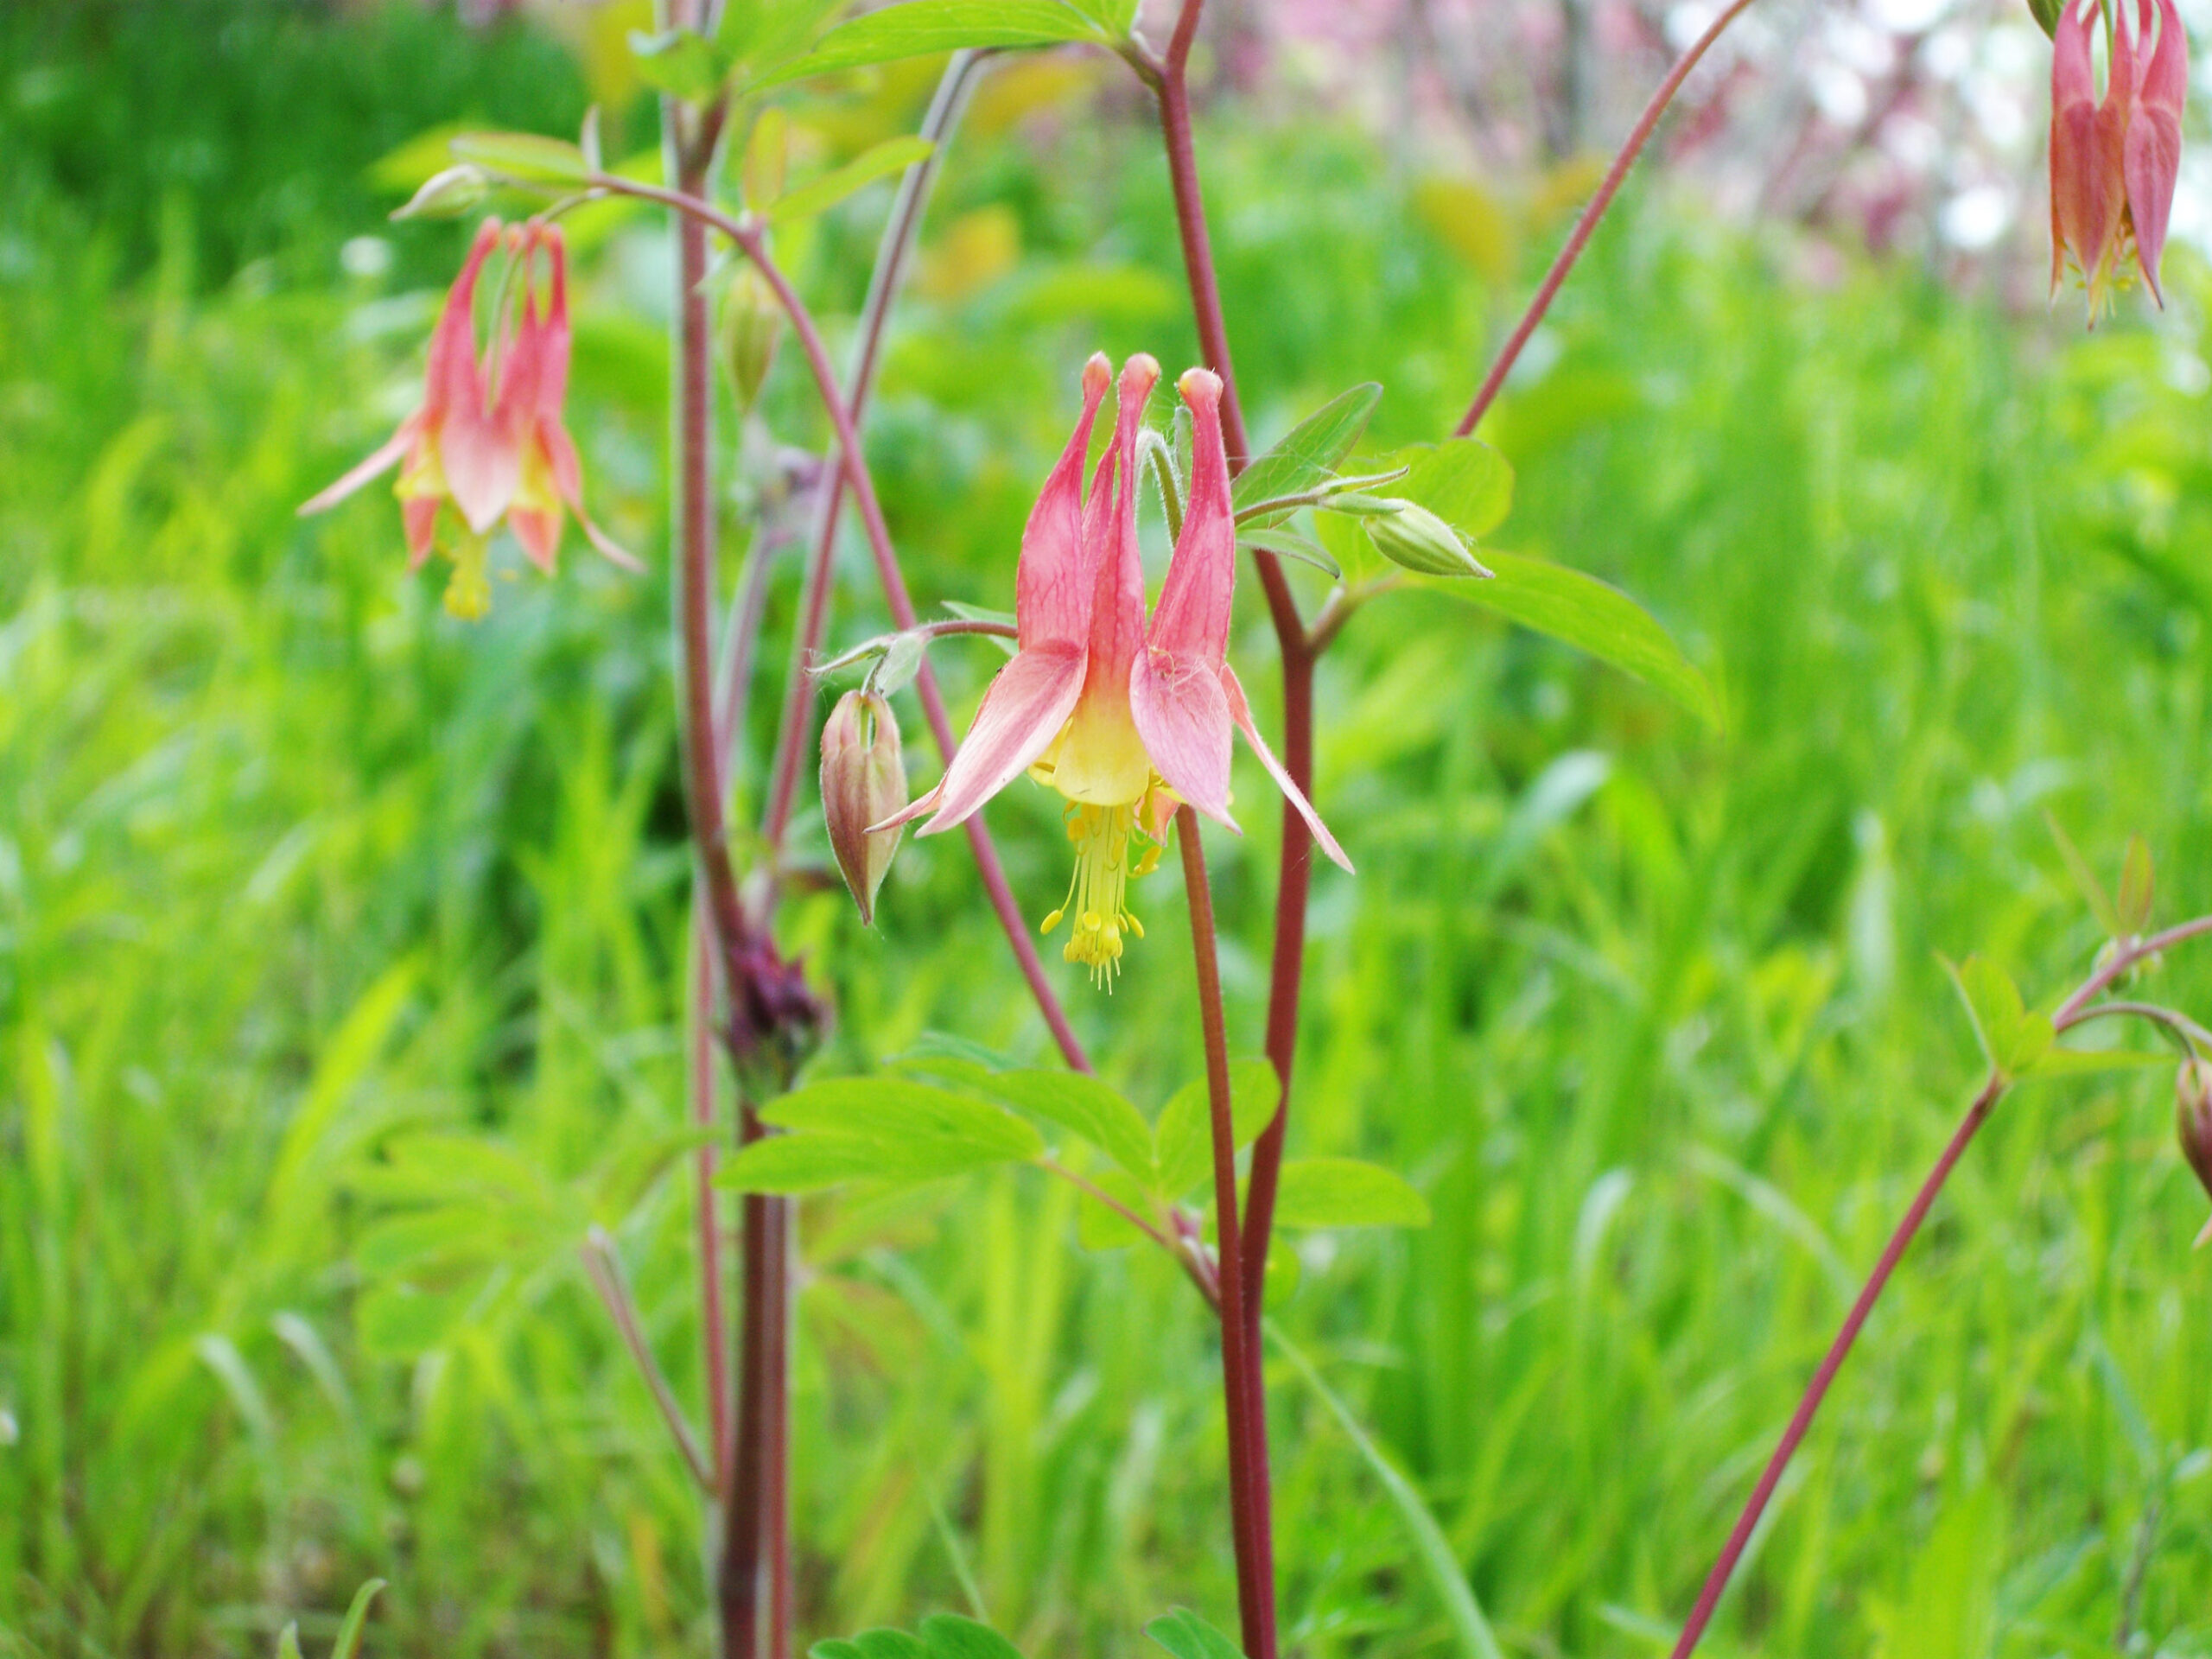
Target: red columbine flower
<point>1125,719</point>
<point>2113,164</point>
<point>488,438</point>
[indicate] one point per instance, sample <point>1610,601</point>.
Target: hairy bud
<point>1417,538</point>
<point>863,782</point>
<point>751,326</point>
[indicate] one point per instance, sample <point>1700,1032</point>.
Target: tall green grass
<point>339,947</point>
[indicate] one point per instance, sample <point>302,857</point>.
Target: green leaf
<point>766,32</point>
<point>835,1647</point>
<point>1592,616</point>
<point>949,1635</point>
<point>2012,1038</point>
<point>890,1644</point>
<point>1083,1106</point>
<point>1345,1192</point>
<point>1308,455</point>
<point>923,28</point>
<point>893,156</point>
<point>525,156</point>
<point>357,1618</point>
<point>1186,1635</point>
<point>2136,886</point>
<point>886,1129</point>
<point>1116,17</point>
<point>1463,481</point>
<point>681,63</point>
<point>2082,1062</point>
<point>288,1641</point>
<point>2101,905</point>
<point>397,1321</point>
<point>1184,1150</point>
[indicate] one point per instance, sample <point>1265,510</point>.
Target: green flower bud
<point>751,324</point>
<point>1417,538</point>
<point>863,782</point>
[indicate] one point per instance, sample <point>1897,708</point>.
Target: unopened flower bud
<point>1417,538</point>
<point>863,782</point>
<point>751,326</point>
<point>2193,1118</point>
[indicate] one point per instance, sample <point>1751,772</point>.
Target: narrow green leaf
<point>1445,1576</point>
<point>1185,1139</point>
<point>1308,454</point>
<point>1463,481</point>
<point>2082,1062</point>
<point>1593,617</point>
<point>681,63</point>
<point>923,28</point>
<point>1083,1106</point>
<point>2011,1038</point>
<point>2136,888</point>
<point>525,156</point>
<point>288,1641</point>
<point>2085,879</point>
<point>949,1635</point>
<point>1346,1193</point>
<point>357,1618</point>
<point>893,156</point>
<point>1186,1635</point>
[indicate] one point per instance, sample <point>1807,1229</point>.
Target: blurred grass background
<point>340,943</point>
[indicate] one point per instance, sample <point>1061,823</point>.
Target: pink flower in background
<point>488,439</point>
<point>1123,718</point>
<point>2114,163</point>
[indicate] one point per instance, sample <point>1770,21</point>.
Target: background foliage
<point>340,943</point>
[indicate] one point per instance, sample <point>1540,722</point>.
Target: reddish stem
<point>746,236</point>
<point>899,236</point>
<point>714,1334</point>
<point>743,1584</point>
<point>1591,214</point>
<point>1247,1494</point>
<point>1816,1391</point>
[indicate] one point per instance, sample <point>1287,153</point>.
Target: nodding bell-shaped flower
<point>2113,162</point>
<point>489,440</point>
<point>2193,1118</point>
<point>1125,717</point>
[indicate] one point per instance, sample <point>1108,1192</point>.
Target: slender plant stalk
<point>701,211</point>
<point>2078,1009</point>
<point>742,1587</point>
<point>604,1268</point>
<point>714,1332</point>
<point>892,256</point>
<point>1169,77</point>
<point>1579,238</point>
<point>1802,1419</point>
<point>1255,1569</point>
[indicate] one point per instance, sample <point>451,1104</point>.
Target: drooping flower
<point>2113,162</point>
<point>1125,718</point>
<point>488,439</point>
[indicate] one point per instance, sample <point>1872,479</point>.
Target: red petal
<point>1117,607</point>
<point>1192,616</point>
<point>386,455</point>
<point>1182,714</point>
<point>2152,150</point>
<point>1241,712</point>
<point>1023,712</point>
<point>1053,583</point>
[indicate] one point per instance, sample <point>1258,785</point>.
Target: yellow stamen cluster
<point>1097,894</point>
<point>468,591</point>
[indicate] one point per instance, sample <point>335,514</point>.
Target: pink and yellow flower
<point>2113,162</point>
<point>1126,717</point>
<point>489,440</point>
